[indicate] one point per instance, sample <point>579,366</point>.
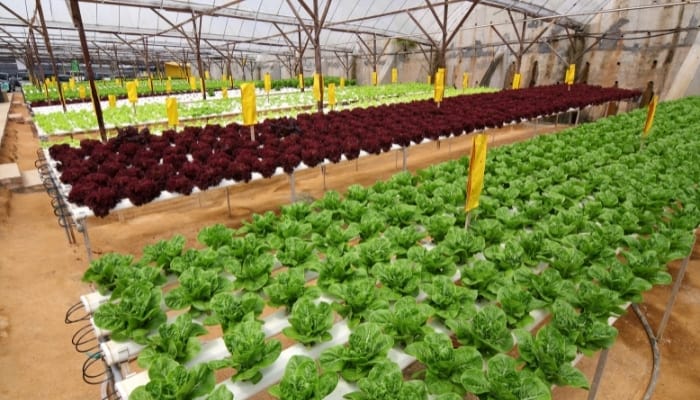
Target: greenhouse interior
<point>363,200</point>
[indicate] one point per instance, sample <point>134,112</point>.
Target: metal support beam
<point>47,41</point>
<point>78,21</point>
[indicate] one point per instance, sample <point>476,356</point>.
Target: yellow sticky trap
<point>248,103</point>
<point>317,87</point>
<point>465,80</point>
<point>132,92</point>
<point>394,75</point>
<point>119,82</point>
<point>193,83</point>
<point>331,94</point>
<point>342,83</point>
<point>477,165</point>
<point>651,112</point>
<point>570,74</point>
<point>71,83</point>
<point>430,79</point>
<point>112,99</point>
<point>168,86</point>
<point>439,85</point>
<point>224,92</point>
<point>374,78</point>
<point>301,81</point>
<point>267,83</point>
<point>206,75</point>
<point>171,110</point>
<point>81,92</point>
<point>516,81</point>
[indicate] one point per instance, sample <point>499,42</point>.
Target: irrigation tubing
<point>656,367</point>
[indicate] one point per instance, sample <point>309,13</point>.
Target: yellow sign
<point>374,78</point>
<point>248,103</point>
<point>112,99</point>
<point>317,87</point>
<point>331,94</point>
<point>132,92</point>
<point>477,165</point>
<point>268,83</point>
<point>394,75</point>
<point>516,81</point>
<point>439,85</point>
<point>651,112</point>
<point>81,92</point>
<point>465,80</point>
<point>171,110</point>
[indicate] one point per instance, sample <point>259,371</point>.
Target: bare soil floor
<point>40,274</point>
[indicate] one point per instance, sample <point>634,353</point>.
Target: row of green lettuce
<point>278,105</point>
<point>105,88</point>
<point>577,224</point>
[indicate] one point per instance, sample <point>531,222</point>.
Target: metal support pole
<point>323,174</point>
<point>674,293</point>
<point>292,187</point>
<point>537,119</point>
<point>602,360</point>
<point>405,156</point>
<point>78,22</point>
<point>228,202</point>
<point>82,227</point>
<point>49,50</point>
<point>578,116</point>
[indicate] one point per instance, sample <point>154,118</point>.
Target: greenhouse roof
<point>166,27</point>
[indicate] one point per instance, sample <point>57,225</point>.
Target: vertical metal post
<point>82,227</point>
<point>197,37</point>
<point>598,376</point>
<point>323,173</point>
<point>78,22</point>
<point>676,287</point>
<point>228,202</point>
<point>49,50</point>
<point>405,156</point>
<point>292,187</point>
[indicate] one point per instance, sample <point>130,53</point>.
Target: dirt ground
<point>40,274</point>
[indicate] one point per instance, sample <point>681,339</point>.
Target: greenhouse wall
<point>638,51</point>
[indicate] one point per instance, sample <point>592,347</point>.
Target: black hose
<point>70,319</point>
<point>656,366</point>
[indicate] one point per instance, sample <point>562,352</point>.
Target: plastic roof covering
<point>248,24</point>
